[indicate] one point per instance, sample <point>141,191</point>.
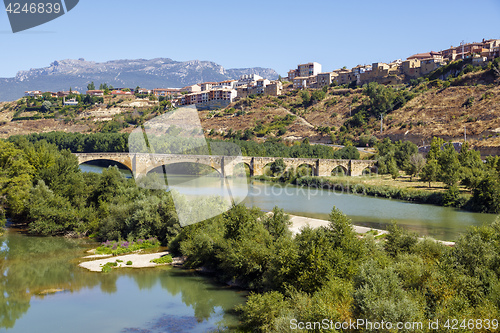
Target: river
<point>444,223</point>
<point>43,290</point>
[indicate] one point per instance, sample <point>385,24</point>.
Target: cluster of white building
<point>213,95</point>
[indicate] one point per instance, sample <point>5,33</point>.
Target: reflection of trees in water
<point>33,266</point>
<point>196,291</point>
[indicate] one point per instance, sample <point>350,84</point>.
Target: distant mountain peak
<point>147,73</point>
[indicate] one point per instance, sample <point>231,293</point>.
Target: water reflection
<point>443,223</point>
<point>42,289</point>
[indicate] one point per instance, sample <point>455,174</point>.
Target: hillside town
<point>398,71</point>
<point>216,95</point>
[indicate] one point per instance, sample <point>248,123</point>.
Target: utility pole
<point>463,44</point>
<point>350,107</point>
<point>381,117</point>
<point>465,133</point>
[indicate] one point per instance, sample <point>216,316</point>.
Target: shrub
<point>399,241</point>
<point>262,310</point>
<point>452,198</point>
<point>379,294</point>
<point>277,167</point>
<point>121,247</point>
<point>106,268</point>
<point>166,259</point>
<point>129,263</point>
<point>469,102</point>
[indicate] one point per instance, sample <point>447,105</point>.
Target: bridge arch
<point>239,167</point>
<point>339,170</point>
<point>159,164</point>
<point>120,159</point>
<point>311,169</point>
<point>279,171</point>
<point>370,170</point>
<point>103,162</point>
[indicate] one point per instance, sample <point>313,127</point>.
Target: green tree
<point>486,196</point>
<point>318,95</point>
<point>91,86</point>
<point>472,167</point>
<point>399,241</point>
<point>306,98</point>
<point>435,148</point>
<point>15,180</point>
<point>347,153</point>
<point>415,165</point>
<point>379,294</point>
<point>262,310</point>
<point>451,197</point>
<point>450,165</point>
<point>46,105</point>
<point>381,98</point>
<point>392,168</point>
<point>402,153</point>
<point>49,213</point>
<point>277,223</point>
<point>277,167</point>
<point>430,171</point>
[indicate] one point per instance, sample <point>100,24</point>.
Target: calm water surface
<point>443,223</point>
<point>43,290</point>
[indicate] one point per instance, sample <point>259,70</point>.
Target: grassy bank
<point>402,188</point>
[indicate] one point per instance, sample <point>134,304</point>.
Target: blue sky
<point>272,33</point>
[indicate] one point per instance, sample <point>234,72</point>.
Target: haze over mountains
<point>153,73</point>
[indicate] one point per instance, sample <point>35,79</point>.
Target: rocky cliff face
<point>153,73</point>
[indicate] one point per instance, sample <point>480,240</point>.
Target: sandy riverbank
<point>138,260</point>
<point>299,222</point>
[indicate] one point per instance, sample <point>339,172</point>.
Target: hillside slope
<point>446,109</point>
<point>435,110</point>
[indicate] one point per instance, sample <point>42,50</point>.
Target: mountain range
<point>153,73</point>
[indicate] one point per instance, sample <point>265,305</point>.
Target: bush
<point>399,241</point>
<point>262,310</point>
<point>121,247</point>
<point>166,259</point>
<point>277,167</point>
<point>379,295</point>
<point>452,197</point>
<point>106,268</point>
<point>469,102</point>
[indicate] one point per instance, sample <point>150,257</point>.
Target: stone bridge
<point>141,164</point>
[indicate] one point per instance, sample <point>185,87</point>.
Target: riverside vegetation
<point>326,272</point>
<point>330,272</point>
<point>469,183</point>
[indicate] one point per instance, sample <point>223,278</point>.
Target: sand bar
<point>138,261</point>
